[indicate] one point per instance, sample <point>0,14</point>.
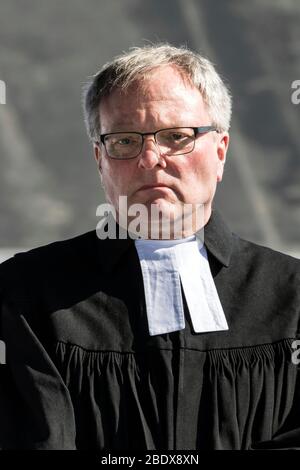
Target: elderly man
<point>144,340</point>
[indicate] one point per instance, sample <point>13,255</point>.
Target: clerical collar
<point>168,265</point>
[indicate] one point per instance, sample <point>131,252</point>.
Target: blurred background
<point>49,187</point>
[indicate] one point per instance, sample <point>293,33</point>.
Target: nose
<point>150,155</point>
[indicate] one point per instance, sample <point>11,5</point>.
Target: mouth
<point>153,186</point>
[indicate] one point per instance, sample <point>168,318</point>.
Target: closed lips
<point>152,186</point>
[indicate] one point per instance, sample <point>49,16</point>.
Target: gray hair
<point>126,68</point>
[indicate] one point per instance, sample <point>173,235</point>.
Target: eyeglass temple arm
<point>203,129</point>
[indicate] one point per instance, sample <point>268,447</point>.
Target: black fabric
<point>82,371</point>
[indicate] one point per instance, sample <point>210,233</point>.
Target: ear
<point>98,155</point>
<point>222,147</point>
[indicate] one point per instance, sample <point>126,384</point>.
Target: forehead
<point>161,87</point>
<point>160,83</point>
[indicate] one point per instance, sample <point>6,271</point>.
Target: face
<point>164,101</point>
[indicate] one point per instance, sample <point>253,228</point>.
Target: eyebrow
<point>127,127</point>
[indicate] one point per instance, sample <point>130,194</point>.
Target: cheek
<point>116,179</point>
<point>202,168</point>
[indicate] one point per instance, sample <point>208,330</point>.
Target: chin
<point>161,205</point>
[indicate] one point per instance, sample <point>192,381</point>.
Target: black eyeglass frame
<point>197,131</point>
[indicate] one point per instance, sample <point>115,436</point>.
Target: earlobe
<point>222,147</point>
<point>97,156</point>
<point>222,151</point>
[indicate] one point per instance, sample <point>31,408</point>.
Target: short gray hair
<point>126,68</point>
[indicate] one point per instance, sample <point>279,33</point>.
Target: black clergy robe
<point>82,371</point>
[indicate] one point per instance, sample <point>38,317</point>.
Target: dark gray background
<point>49,187</point>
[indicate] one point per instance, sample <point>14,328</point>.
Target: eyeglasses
<point>173,141</point>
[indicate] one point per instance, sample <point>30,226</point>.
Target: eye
<point>177,137</point>
<point>174,137</point>
<point>125,141</point>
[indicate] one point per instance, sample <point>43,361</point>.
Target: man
<point>142,340</point>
